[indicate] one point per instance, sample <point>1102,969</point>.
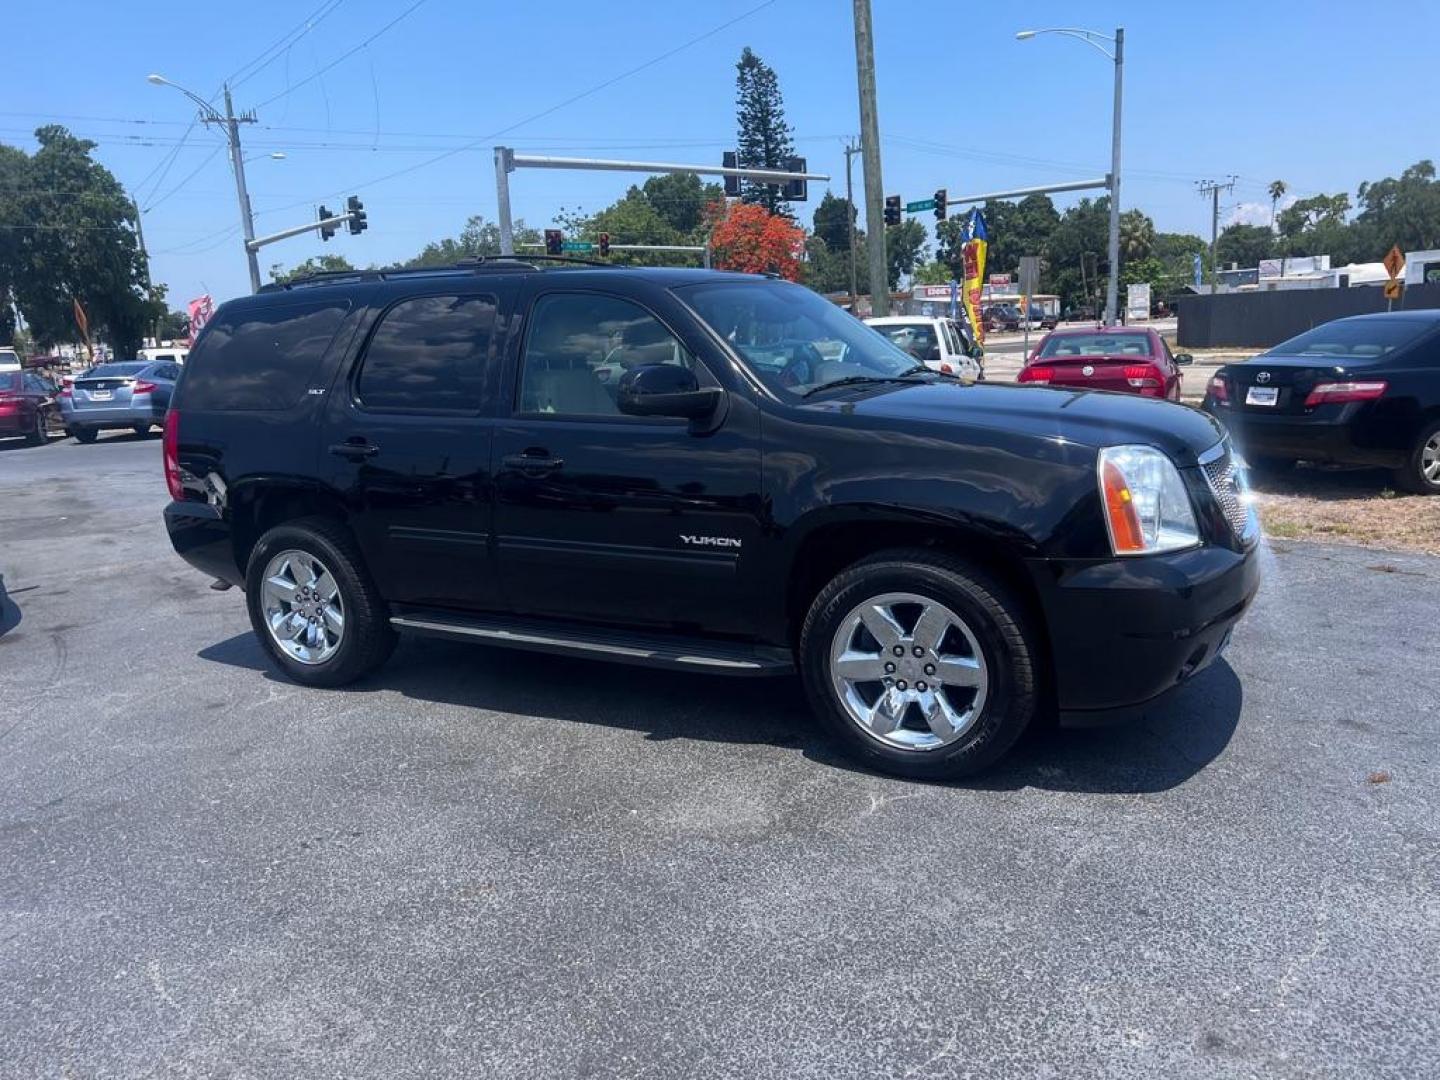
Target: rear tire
<point>38,435</point>
<point>1421,472</point>
<point>365,639</point>
<point>959,703</point>
<point>143,430</point>
<point>85,435</point>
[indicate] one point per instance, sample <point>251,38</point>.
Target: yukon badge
<point>710,541</point>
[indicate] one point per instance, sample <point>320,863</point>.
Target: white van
<point>172,354</point>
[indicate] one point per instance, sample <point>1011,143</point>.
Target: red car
<point>1130,360</point>
<point>26,404</point>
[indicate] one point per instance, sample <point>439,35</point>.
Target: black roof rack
<point>473,264</point>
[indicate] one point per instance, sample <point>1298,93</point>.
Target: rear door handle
<point>354,450</point>
<point>532,463</point>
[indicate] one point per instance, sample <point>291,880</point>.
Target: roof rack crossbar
<point>472,264</point>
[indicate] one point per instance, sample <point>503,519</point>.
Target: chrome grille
<point>1232,490</point>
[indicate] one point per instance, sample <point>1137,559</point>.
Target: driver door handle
<point>532,463</point>
<point>354,450</point>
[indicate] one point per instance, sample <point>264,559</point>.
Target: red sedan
<point>1130,360</point>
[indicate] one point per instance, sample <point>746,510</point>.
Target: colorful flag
<point>976,243</point>
<point>82,323</point>
<point>201,309</point>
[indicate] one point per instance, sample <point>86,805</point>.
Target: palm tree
<point>1137,235</point>
<point>1277,192</point>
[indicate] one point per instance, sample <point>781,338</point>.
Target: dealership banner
<point>201,309</point>
<point>977,241</point>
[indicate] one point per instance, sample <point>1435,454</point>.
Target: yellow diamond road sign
<point>1394,262</point>
<point>1392,289</point>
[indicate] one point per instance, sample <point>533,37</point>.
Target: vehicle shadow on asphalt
<point>9,610</point>
<point>1162,750</point>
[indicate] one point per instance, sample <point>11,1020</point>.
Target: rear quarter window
<point>260,358</point>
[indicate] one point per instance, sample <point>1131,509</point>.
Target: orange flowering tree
<point>747,237</point>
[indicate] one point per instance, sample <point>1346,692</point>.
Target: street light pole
<point>850,151</point>
<point>1093,39</point>
<point>870,155</point>
<point>231,124</point>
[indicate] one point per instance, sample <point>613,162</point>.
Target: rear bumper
<point>1126,631</point>
<point>1328,438</point>
<point>201,536</point>
<point>120,417</point>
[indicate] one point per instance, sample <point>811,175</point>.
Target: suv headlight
<point>1147,509</point>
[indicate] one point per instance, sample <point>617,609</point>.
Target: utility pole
<point>870,149</point>
<point>1213,189</point>
<point>851,149</point>
<point>237,161</point>
<point>1112,286</point>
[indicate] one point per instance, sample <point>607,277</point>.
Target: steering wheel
<point>800,369</point>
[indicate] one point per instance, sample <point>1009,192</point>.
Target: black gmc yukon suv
<point>705,471</point>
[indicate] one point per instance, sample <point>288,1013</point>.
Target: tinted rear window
<point>122,370</point>
<point>1354,339</point>
<point>257,358</point>
<point>10,382</point>
<point>1096,345</point>
<point>429,353</point>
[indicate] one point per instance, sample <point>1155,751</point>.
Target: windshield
<point>1354,339</point>
<point>1096,345</point>
<point>917,339</point>
<point>794,340</point>
<point>124,369</point>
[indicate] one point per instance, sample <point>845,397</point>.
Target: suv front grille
<point>1232,491</point>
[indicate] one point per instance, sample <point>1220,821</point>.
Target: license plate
<point>1262,395</point>
<point>99,395</point>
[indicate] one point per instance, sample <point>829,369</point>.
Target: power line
<point>548,111</point>
<point>189,176</point>
<point>287,41</point>
<point>342,57</point>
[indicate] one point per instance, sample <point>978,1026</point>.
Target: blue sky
<point>1315,94</point>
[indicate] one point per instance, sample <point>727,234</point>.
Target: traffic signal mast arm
<point>327,224</point>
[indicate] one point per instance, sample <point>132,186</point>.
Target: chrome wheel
<point>908,671</point>
<point>303,609</point>
<point>1430,459</point>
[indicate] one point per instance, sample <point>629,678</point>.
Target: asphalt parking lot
<point>494,864</point>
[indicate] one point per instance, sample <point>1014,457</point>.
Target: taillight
<point>946,369</point>
<point>1141,375</point>
<point>172,455</point>
<point>1334,393</point>
<point>1219,389</point>
<point>142,387</point>
<point>1039,373</point>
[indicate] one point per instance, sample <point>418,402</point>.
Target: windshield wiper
<point>853,380</point>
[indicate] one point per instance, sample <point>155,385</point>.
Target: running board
<point>678,652</point>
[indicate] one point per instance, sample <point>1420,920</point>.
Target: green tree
<point>478,237</point>
<point>1137,235</point>
<point>933,273</point>
<point>1244,245</point>
<point>1277,191</point>
<point>905,246</point>
<point>680,200</point>
<point>765,139</point>
<point>826,271</point>
<point>1319,226</point>
<point>1083,233</point>
<point>833,218</point>
<point>316,264</point>
<point>14,168</point>
<point>75,240</point>
<point>1404,211</point>
<point>173,326</point>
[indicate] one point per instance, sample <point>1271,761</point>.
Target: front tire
<point>314,606</point>
<point>1421,473</point>
<point>920,664</point>
<point>39,434</point>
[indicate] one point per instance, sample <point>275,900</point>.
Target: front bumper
<point>1125,631</point>
<point>1314,437</point>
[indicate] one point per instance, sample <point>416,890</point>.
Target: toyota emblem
<point>1088,369</point>
<point>1263,377</point>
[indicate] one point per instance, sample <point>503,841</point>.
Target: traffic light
<point>941,198</point>
<point>795,190</point>
<point>553,241</point>
<point>604,245</point>
<point>892,209</point>
<point>356,209</point>
<point>731,160</point>
<point>327,230</point>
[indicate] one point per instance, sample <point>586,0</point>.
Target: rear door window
<point>261,357</point>
<point>428,354</point>
<point>1354,339</point>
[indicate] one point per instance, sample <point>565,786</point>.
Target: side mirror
<point>1184,359</point>
<point>665,390</point>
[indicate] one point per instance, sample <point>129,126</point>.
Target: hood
<point>1088,417</point>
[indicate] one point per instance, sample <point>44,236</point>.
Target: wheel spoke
<point>930,627</point>
<point>959,671</point>
<point>283,586</point>
<point>938,715</point>
<point>325,585</point>
<point>881,624</point>
<point>289,627</point>
<point>860,667</point>
<point>886,713</point>
<point>334,620</point>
